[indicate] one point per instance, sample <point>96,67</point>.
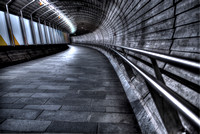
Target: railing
<point>187,64</point>
<point>189,111</point>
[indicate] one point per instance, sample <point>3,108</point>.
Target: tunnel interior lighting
<point>61,15</point>
<point>44,2</point>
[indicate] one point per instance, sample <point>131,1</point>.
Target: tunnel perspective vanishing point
<point>100,66</point>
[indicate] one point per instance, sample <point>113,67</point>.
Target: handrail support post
<point>168,114</point>
<point>11,35</point>
<point>22,22</point>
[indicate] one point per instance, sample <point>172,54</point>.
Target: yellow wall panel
<point>2,41</point>
<point>16,42</point>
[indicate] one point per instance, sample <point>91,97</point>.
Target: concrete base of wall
<point>10,55</point>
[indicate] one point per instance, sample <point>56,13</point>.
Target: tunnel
<point>100,66</point>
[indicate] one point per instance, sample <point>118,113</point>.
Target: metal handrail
<point>164,91</point>
<point>164,57</point>
<point>179,103</point>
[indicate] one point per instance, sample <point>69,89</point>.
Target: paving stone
<point>19,113</point>
<point>5,89</point>
<point>92,96</point>
<point>72,127</point>
<point>32,91</point>
<point>8,99</point>
<point>117,128</point>
<point>49,95</point>
<point>78,87</point>
<point>83,108</point>
<point>31,101</point>
<point>23,86</point>
<point>119,110</point>
<point>43,107</point>
<point>110,92</point>
<point>14,125</point>
<point>11,106</point>
<point>7,77</point>
<point>68,92</point>
<point>70,116</point>
<point>53,87</point>
<point>72,102</point>
<point>18,95</point>
<point>111,118</point>
<point>91,92</point>
<point>101,102</point>
<point>116,97</point>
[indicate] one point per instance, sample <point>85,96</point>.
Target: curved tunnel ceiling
<point>146,24</point>
<point>87,15</point>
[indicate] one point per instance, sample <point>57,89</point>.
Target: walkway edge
<point>148,120</point>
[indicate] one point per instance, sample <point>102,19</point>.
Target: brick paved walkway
<point>75,91</point>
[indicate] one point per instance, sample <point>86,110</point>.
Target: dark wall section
<point>10,55</point>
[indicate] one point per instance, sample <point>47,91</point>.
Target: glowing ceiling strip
<point>60,15</point>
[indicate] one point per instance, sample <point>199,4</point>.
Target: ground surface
<point>75,91</point>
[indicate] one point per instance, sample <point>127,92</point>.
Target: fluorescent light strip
<point>64,17</point>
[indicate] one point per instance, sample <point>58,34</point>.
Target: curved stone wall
<point>161,25</point>
<point>166,26</point>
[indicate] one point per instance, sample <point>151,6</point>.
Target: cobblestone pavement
<point>75,91</point>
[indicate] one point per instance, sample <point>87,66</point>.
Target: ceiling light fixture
<point>61,15</point>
